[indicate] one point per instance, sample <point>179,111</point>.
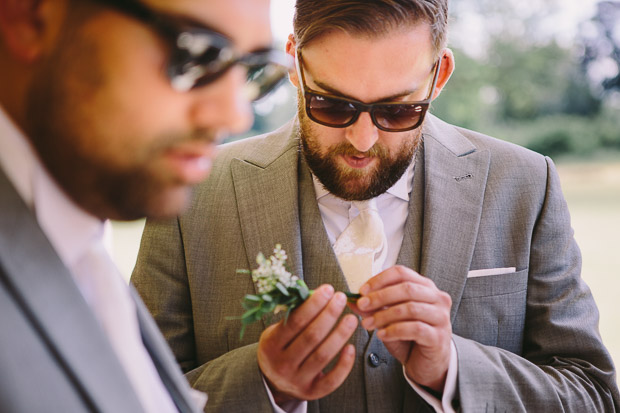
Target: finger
<point>353,307</point>
<point>409,311</point>
<point>423,334</point>
<point>314,334</point>
<point>329,382</point>
<point>399,293</point>
<point>301,317</point>
<point>329,348</point>
<point>394,275</point>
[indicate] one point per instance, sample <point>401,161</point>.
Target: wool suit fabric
<point>526,341</point>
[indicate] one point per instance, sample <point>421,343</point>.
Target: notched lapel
<point>266,195</point>
<point>455,181</point>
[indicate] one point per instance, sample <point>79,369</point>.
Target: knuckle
<point>410,289</point>
<point>313,336</point>
<point>412,308</point>
<point>294,324</point>
<point>321,357</point>
<point>446,299</point>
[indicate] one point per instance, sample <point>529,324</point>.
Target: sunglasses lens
<point>187,71</point>
<point>262,79</point>
<point>328,111</point>
<point>399,117</point>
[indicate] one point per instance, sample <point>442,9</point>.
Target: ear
<point>25,26</point>
<point>447,67</point>
<point>291,49</point>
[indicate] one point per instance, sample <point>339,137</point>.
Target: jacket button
<point>373,359</point>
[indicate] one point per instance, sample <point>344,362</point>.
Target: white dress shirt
<point>393,206</point>
<point>74,233</point>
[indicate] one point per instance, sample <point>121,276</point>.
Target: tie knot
<point>369,204</point>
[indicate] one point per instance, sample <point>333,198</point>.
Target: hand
<point>413,320</point>
<point>292,355</point>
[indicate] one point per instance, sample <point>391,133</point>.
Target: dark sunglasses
<point>339,112</point>
<point>200,55</point>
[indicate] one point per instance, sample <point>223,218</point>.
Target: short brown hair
<point>369,17</point>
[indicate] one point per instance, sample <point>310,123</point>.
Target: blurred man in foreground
<point>109,109</point>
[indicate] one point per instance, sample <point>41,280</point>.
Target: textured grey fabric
<point>526,341</point>
<point>54,357</point>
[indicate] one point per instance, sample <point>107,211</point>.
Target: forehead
<point>246,22</point>
<point>371,67</point>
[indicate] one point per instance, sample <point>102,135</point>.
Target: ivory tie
<point>104,289</point>
<point>362,247</point>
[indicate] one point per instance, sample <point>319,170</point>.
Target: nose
<point>363,133</point>
<point>223,106</point>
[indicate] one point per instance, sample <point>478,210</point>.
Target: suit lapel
<point>50,299</point>
<point>409,254</point>
<point>319,261</point>
<point>455,175</point>
<point>265,185</point>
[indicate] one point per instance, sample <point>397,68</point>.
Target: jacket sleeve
<point>563,365</point>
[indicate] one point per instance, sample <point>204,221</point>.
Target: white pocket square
<point>491,271</point>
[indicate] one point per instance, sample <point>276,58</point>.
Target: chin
<point>163,204</point>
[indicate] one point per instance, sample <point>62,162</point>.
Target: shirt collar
<point>69,228</point>
<point>401,189</point>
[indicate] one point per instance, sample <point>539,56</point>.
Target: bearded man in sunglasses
<point>108,109</point>
<point>476,299</point>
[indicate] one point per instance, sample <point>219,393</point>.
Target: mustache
<point>207,135</point>
<point>171,140</point>
<point>345,148</point>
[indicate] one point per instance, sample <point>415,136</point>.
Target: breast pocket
<point>492,310</point>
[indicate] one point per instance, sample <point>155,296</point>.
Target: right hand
<point>292,355</point>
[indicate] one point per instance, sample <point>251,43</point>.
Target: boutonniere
<point>278,289</point>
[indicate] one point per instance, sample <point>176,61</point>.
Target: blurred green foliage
<point>538,94</point>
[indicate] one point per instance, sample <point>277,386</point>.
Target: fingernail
<point>365,289</point>
<point>351,321</point>
<point>368,323</point>
<point>363,303</point>
<point>381,334</point>
<point>327,291</point>
<point>340,298</point>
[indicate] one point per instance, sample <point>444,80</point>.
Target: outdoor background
<point>544,74</point>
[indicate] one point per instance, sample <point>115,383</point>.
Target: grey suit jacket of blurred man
<point>55,357</point>
<point>526,341</point>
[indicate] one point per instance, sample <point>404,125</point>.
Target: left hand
<point>412,317</point>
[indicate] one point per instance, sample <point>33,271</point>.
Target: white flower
<point>271,271</point>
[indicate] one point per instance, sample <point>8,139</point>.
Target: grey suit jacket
<point>54,356</point>
<point>526,341</point>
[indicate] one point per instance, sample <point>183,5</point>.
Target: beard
<point>353,184</point>
<point>73,123</point>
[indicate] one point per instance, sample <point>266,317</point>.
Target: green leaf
<point>303,290</point>
<point>282,289</point>
<point>288,312</point>
<point>252,297</point>
<point>250,312</point>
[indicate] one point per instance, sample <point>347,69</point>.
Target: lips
<point>191,163</point>
<point>357,162</point>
